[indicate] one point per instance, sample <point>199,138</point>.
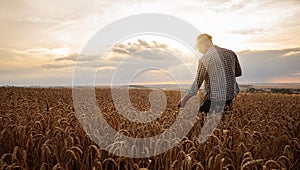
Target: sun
<point>60,51</point>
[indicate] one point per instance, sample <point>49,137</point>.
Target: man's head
<point>204,41</point>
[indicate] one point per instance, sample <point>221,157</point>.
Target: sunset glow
<point>60,51</point>
<point>40,41</point>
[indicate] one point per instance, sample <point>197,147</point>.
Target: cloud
<point>249,31</point>
<point>154,54</point>
<point>291,53</point>
<point>80,60</point>
<point>140,60</point>
<point>57,66</point>
<point>285,79</point>
<point>31,23</point>
<point>296,74</point>
<point>106,68</point>
<point>120,50</point>
<point>71,57</point>
<point>138,46</point>
<point>232,5</point>
<point>46,24</point>
<point>32,66</point>
<point>269,65</point>
<point>143,52</point>
<point>34,52</point>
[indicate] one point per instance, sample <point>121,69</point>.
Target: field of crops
<point>40,130</point>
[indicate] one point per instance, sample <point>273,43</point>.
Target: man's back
<point>218,68</point>
<point>222,68</point>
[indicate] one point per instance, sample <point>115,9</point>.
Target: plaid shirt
<point>218,68</point>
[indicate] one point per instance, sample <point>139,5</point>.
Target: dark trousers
<point>206,106</point>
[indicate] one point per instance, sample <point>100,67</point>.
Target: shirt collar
<point>211,49</point>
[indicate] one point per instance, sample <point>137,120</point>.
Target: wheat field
<point>40,130</point>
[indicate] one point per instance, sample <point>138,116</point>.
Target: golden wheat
<point>39,129</point>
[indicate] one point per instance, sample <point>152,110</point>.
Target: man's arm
<point>201,74</point>
<point>238,70</point>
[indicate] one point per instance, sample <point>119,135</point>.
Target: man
<point>218,68</point>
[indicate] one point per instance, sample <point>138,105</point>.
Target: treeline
<point>274,90</point>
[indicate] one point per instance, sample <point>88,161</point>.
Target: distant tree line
<point>274,90</point>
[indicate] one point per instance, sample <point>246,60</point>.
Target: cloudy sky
<point>41,40</point>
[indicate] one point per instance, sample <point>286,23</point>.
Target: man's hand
<point>182,102</point>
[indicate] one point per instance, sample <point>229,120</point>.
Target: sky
<point>41,40</point>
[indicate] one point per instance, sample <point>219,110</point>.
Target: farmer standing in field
<point>218,68</point>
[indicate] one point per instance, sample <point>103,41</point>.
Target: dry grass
<point>39,130</point>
